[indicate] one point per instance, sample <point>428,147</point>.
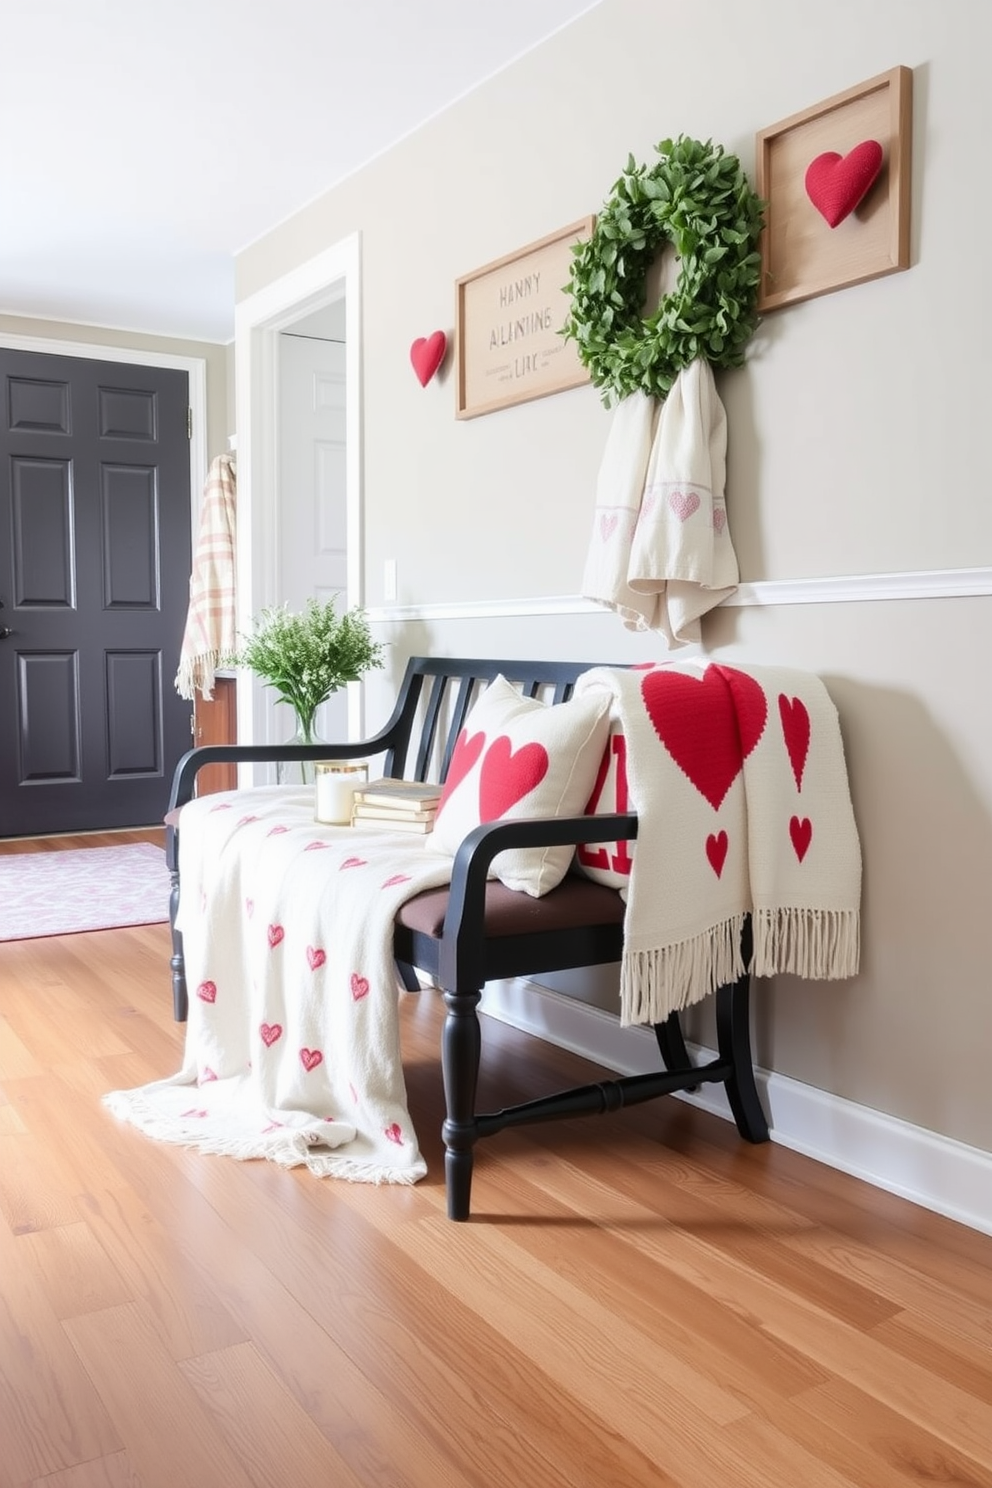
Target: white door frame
<point>258,320</point>
<point>195,367</point>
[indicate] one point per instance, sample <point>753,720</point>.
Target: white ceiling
<point>144,142</point>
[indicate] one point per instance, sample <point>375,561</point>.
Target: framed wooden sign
<point>508,320</point>
<point>801,256</point>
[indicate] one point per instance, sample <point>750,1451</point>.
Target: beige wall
<point>857,446</point>
<point>219,417</point>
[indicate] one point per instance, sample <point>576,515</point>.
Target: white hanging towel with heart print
<point>681,551</point>
<point>619,490</point>
<point>661,553</point>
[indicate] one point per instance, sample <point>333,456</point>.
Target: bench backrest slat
<point>438,691</point>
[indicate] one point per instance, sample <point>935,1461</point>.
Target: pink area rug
<point>90,888</point>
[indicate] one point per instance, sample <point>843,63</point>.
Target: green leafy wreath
<point>697,198</point>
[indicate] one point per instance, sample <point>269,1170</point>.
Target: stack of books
<point>400,805</point>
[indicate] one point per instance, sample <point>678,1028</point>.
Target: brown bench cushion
<point>576,901</point>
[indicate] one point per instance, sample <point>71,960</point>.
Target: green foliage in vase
<point>307,656</point>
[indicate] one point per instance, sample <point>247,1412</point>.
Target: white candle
<point>335,789</point>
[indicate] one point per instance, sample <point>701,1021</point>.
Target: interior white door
<point>313,518</point>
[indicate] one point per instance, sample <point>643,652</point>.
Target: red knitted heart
<point>271,1033</point>
<point>427,354</point>
<point>316,957</point>
<point>836,183</point>
<point>207,991</point>
<point>795,731</point>
<point>708,725</point>
<point>359,986</point>
<point>716,851</point>
<point>801,832</point>
<point>310,1058</point>
<point>505,777</point>
<point>275,934</point>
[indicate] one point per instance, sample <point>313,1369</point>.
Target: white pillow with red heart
<point>517,757</point>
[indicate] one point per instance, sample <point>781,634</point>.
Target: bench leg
<point>734,1042</point>
<point>180,1001</point>
<point>671,1042</point>
<point>408,977</point>
<point>461,1047</point>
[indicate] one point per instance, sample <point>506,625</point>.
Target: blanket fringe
<point>354,1170</point>
<point>198,672</point>
<point>288,1149</point>
<point>664,980</point>
<point>816,944</point>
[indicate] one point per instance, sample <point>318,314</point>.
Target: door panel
<point>94,580</point>
<point>313,529</point>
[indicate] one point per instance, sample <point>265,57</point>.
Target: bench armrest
<point>464,922</point>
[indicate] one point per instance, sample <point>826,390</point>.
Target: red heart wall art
<point>427,354</point>
<point>835,184</point>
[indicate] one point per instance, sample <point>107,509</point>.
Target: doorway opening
<point>276,527</point>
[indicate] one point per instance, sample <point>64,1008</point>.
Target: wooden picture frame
<point>508,319</point>
<point>801,255</point>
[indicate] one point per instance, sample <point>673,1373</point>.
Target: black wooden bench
<point>476,930</point>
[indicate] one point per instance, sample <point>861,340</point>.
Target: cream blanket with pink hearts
<point>660,553</point>
<point>739,781</point>
<point>292,1041</point>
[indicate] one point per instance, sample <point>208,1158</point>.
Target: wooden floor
<point>639,1299</point>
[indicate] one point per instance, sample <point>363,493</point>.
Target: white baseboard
<point>919,1165</point>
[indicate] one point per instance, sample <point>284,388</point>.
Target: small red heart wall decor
<point>427,354</point>
<point>835,184</point>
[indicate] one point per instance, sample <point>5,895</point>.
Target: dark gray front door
<point>94,584</point>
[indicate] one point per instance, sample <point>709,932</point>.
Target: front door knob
<point>5,631</point>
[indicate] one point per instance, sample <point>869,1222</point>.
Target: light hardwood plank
<point>70,1127</point>
<point>10,1121</point>
<point>881,1445</point>
<point>175,1288</point>
<point>265,1425</point>
<point>463,1386</point>
<point>642,1300</point>
<point>74,1270</point>
<point>169,1435</point>
<point>32,1196</point>
<point>114,1471</point>
<point>845,1350</point>
<point>16,1061</point>
<point>51,1415</point>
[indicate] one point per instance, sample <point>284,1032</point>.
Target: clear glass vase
<point>297,771</point>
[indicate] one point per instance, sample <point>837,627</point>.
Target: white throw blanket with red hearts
<point>292,1042</point>
<point>739,781</point>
